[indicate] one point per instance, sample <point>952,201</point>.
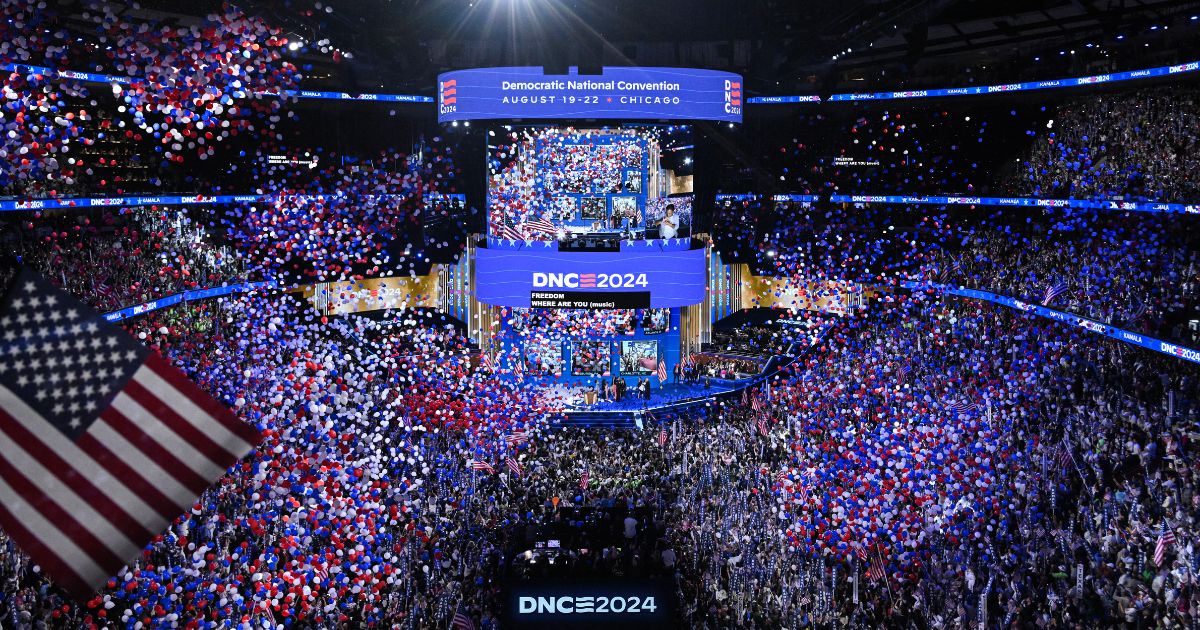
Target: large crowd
<point>976,454</point>
<point>926,461</point>
<point>1139,146</point>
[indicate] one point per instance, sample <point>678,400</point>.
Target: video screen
<point>583,181</point>
<point>543,356</point>
<point>669,217</point>
<point>656,321</point>
<point>639,357</point>
<point>591,358</point>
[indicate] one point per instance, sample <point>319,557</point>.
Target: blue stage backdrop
<point>617,93</point>
<point>550,353</point>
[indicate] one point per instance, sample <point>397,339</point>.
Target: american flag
<point>662,436</point>
<point>756,403</point>
<point>461,620</point>
<point>1138,312</point>
<point>1165,539</point>
<point>963,406</point>
<point>876,572</point>
<point>1064,455</point>
<point>102,441</point>
<point>519,367</point>
<point>514,466</point>
<point>508,232</point>
<point>477,464</point>
<point>541,225</point>
<point>517,437</point>
<point>488,361</point>
<point>1054,291</point>
<point>861,552</point>
<point>662,370</point>
<point>762,426</point>
<point>746,396</point>
<point>781,477</point>
<point>583,479</point>
<point>103,289</point>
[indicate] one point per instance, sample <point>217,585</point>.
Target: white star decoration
<point>65,363</point>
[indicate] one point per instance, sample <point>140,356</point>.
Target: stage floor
<point>665,396</point>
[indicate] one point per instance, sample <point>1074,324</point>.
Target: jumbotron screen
<point>545,182</point>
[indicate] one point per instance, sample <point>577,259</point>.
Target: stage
<point>670,400</point>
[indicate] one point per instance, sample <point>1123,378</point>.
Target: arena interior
<point>492,314</point>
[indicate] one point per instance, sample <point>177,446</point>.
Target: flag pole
<point>886,582</point>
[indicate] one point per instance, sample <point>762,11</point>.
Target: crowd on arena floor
<point>963,472</point>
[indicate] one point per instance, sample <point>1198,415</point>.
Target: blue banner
<point>92,77</point>
<point>89,77</point>
<point>616,93</point>
<point>1025,202</point>
<point>775,198</point>
<point>138,200</point>
<point>186,296</point>
<point>344,96</point>
<point>757,100</point>
<point>1137,339</point>
<point>175,200</point>
<point>506,277</point>
<point>986,89</point>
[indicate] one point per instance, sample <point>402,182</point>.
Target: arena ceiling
<point>401,45</point>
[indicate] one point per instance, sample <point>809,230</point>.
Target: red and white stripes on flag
<point>488,361</point>
<point>876,572</point>
<point>541,225</point>
<point>482,465</point>
<point>1165,539</point>
<point>516,437</point>
<point>508,232</point>
<point>662,437</point>
<point>1054,291</point>
<point>1064,455</point>
<point>102,442</point>
<point>514,466</point>
<point>583,479</point>
<point>762,426</point>
<point>662,370</point>
<point>461,621</point>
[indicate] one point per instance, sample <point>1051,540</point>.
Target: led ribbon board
<point>616,93</point>
<point>642,277</point>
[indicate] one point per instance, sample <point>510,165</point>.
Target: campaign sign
<point>506,277</point>
<point>589,604</point>
<point>617,93</point>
